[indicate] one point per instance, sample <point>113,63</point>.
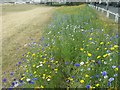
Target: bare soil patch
<point>17,29</point>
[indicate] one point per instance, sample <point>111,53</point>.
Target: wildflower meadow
<point>77,50</point>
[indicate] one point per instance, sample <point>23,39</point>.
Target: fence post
<point>107,13</point>
<point>102,10</point>
<point>116,17</point>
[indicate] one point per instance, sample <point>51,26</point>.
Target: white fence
<point>117,16</point>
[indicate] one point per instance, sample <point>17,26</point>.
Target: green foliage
<point>76,50</point>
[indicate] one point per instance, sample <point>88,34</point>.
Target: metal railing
<point>117,16</point>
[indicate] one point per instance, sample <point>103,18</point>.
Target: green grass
<point>77,50</point>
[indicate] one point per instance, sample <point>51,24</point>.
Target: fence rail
<point>117,16</point>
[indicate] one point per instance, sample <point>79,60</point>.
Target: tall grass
<point>77,50</point>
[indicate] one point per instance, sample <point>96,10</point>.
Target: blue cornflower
<point>115,75</point>
<point>11,73</point>
<point>116,35</point>
<point>92,76</point>
<point>113,66</point>
<point>73,76</point>
<point>97,76</point>
<point>111,79</point>
<point>30,74</point>
<point>119,66</point>
<point>4,80</point>
<point>104,73</point>
<point>109,83</point>
<point>34,79</point>
<point>66,63</point>
<point>21,81</point>
<point>77,65</point>
<point>88,86</point>
<point>31,82</point>
<point>43,57</point>
<point>13,83</point>
<point>19,63</point>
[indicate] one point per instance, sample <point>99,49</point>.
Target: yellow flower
<point>108,42</point>
<point>86,75</point>
<point>102,60</point>
<point>98,57</point>
<point>26,70</point>
<point>49,76</point>
<point>33,54</point>
<point>89,54</point>
<point>37,87</point>
<point>56,62</point>
<point>44,62</point>
<point>90,38</point>
<point>28,52</point>
<point>116,69</point>
<point>81,81</point>
<point>41,86</point>
<point>56,69</point>
<point>116,46</point>
<point>34,65</point>
<point>101,43</point>
<point>97,85</point>
<point>44,74</point>
<point>105,48</point>
<point>71,79</point>
<point>34,72</point>
<point>105,55</point>
<point>112,48</point>
<point>81,49</point>
<point>97,48</point>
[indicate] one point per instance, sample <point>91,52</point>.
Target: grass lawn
<point>78,49</point>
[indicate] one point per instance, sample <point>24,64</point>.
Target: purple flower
<point>97,76</point>
<point>68,81</point>
<point>4,80</point>
<point>113,66</point>
<point>111,79</point>
<point>20,81</point>
<point>34,78</point>
<point>43,57</point>
<point>66,63</point>
<point>11,73</point>
<point>119,66</point>
<point>104,73</point>
<point>77,65</point>
<point>72,76</point>
<point>109,83</point>
<point>19,63</point>
<point>31,82</point>
<point>88,86</point>
<point>115,75</point>
<point>13,83</point>
<point>92,76</point>
<point>116,35</point>
<point>30,74</point>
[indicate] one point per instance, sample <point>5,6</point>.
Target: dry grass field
<point>20,24</point>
